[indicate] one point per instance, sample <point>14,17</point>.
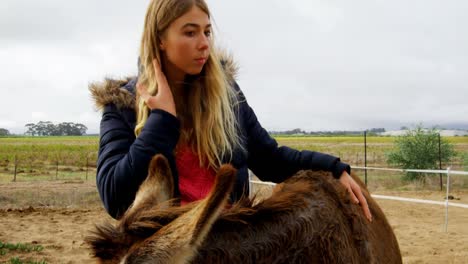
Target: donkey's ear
<point>179,241</point>
<point>160,179</point>
<point>214,204</point>
<point>158,187</point>
<point>159,167</point>
<point>159,184</point>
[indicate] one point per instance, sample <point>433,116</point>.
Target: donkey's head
<point>175,242</point>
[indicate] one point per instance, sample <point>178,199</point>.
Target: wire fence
<point>29,168</point>
<point>63,165</point>
<point>82,166</point>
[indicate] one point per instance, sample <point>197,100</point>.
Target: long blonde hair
<point>209,124</point>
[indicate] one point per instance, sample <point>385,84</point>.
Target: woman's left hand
<point>356,194</point>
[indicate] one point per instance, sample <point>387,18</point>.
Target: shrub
<point>465,160</point>
<point>418,148</point>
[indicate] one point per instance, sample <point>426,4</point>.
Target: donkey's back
<point>308,219</point>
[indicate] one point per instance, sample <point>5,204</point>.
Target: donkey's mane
<point>291,198</point>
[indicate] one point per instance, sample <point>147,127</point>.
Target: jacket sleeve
<point>123,160</point>
<point>272,163</point>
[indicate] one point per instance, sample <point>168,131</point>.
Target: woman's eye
<point>207,33</point>
<point>190,33</point>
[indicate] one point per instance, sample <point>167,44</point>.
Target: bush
<point>465,161</point>
<point>419,149</point>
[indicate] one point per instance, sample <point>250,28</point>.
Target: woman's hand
<point>356,194</point>
<point>164,99</point>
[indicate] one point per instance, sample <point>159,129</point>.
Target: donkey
<point>308,219</point>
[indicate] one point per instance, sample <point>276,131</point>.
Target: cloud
<point>91,119</point>
<point>38,116</point>
<point>7,123</point>
<point>312,64</point>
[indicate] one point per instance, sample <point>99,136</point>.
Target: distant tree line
<point>4,132</point>
<point>47,128</point>
<point>298,131</point>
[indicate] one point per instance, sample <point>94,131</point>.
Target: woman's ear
<point>161,45</point>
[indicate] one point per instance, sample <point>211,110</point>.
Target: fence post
<point>365,157</point>
<point>56,170</point>
<point>440,164</point>
<point>16,166</point>
<point>87,157</point>
<point>447,199</point>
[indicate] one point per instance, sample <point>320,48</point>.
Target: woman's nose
<point>204,42</point>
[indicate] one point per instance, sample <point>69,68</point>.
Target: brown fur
<point>129,241</point>
<point>110,91</point>
<point>309,219</point>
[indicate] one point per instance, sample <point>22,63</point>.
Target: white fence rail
<point>448,171</point>
<point>413,170</point>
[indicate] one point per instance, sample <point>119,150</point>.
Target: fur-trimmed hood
<point>118,92</point>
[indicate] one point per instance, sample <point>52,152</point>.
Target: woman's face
<point>186,43</point>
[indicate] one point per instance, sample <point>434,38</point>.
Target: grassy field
<point>68,149</point>
<point>74,158</point>
<point>351,149</point>
<point>45,158</point>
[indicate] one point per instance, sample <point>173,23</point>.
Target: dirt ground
<point>58,215</point>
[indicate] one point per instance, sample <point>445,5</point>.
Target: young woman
<point>188,107</point>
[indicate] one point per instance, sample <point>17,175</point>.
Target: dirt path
<point>420,232</point>
<point>419,229</point>
<point>59,231</point>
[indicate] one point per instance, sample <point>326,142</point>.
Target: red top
<point>195,182</point>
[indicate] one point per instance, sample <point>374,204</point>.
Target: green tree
<point>47,128</point>
<point>4,132</point>
<point>418,148</point>
<point>31,129</point>
<point>79,129</point>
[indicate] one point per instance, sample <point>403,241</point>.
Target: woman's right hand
<point>164,99</point>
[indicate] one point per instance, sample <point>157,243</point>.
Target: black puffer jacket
<point>123,158</point>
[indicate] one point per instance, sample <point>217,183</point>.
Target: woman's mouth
<point>200,61</point>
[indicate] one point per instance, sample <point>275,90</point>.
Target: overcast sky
<point>315,65</point>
